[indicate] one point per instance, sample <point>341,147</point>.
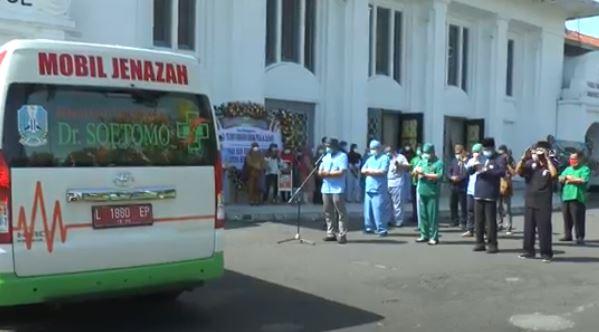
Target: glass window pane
<point>110,127</point>
<point>452,55</point>
<point>509,89</point>
<point>162,23</point>
<point>465,59</point>
<point>382,41</point>
<point>397,47</point>
<point>371,38</point>
<point>291,28</point>
<point>271,31</point>
<point>187,22</point>
<point>310,37</point>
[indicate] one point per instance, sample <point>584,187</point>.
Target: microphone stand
<point>297,199</point>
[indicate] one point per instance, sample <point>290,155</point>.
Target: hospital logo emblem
<point>33,125</point>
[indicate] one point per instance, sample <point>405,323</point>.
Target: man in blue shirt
<point>332,170</point>
<point>375,170</point>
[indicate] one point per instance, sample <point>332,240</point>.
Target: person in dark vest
<point>540,174</point>
<point>458,178</point>
<point>486,192</point>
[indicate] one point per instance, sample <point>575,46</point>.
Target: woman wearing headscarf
<point>254,167</point>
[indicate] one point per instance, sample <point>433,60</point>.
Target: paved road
<point>371,284</point>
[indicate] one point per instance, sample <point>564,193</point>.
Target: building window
<point>509,83</point>
<point>187,23</point>
<point>162,23</point>
<point>291,32</point>
<point>180,28</point>
<point>457,56</point>
<point>386,41</point>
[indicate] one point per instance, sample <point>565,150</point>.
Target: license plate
<point>122,215</point>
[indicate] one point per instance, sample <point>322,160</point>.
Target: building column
<point>435,73</point>
<point>497,80</point>
<point>355,106</point>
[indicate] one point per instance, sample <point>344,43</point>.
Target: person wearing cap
<point>471,164</point>
<point>332,170</point>
<point>458,178</point>
<point>540,174</point>
<point>430,173</point>
<point>575,180</point>
<point>375,170</point>
<point>506,191</point>
<point>486,193</point>
<point>398,179</point>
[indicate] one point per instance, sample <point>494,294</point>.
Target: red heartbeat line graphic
<point>58,223</point>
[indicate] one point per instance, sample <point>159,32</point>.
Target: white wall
<point>231,45</point>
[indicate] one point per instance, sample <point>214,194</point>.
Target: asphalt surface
<point>370,284</point>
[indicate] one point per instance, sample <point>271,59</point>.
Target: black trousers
<point>414,205</point>
<point>272,183</point>
<point>574,217</point>
<point>538,220</point>
<point>485,221</point>
<point>459,199</point>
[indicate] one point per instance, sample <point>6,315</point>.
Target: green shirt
<point>576,192</point>
<point>428,187</point>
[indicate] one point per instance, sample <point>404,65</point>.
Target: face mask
<point>287,151</point>
<point>355,150</point>
<point>573,162</point>
<point>501,152</point>
<point>373,152</point>
<point>458,156</point>
<point>426,156</point>
<point>535,157</point>
<point>475,155</point>
<point>255,149</point>
<point>329,150</point>
<point>488,153</point>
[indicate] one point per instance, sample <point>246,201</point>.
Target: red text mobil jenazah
<point>92,66</point>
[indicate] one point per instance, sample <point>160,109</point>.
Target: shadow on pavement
<point>235,302</point>
<point>576,259</point>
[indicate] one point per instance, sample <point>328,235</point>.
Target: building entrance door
<point>466,132</point>
<point>395,128</point>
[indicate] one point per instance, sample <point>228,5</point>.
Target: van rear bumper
<point>181,275</point>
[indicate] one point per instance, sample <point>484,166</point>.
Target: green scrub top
<point>427,187</point>
<point>576,192</point>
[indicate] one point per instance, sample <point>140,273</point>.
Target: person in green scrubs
<point>575,180</point>
<point>430,173</point>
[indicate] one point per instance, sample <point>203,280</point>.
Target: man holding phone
<point>332,170</point>
<point>489,172</point>
<point>539,172</point>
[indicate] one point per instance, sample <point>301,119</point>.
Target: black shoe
<point>580,242</point>
<point>342,240</point>
<point>566,239</point>
<point>546,259</point>
<point>492,250</point>
<point>330,239</point>
<point>526,256</point>
<point>383,234</point>
<point>479,248</point>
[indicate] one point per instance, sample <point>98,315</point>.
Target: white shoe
<point>433,242</point>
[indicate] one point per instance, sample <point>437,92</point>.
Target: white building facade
<point>404,71</point>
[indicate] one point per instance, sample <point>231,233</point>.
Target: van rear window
<point>67,126</point>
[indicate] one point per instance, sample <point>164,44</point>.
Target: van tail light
<point>219,221</point>
<point>5,224</point>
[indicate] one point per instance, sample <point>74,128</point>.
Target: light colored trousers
<point>335,214</point>
<point>354,191</point>
<point>399,204</point>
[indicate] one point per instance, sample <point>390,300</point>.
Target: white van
<point>110,177</point>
